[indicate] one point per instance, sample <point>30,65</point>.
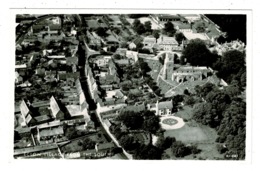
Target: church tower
<point>168,66</point>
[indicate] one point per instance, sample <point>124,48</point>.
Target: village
<point>116,86</point>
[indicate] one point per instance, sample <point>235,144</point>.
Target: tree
<point>139,46</point>
<point>88,144</point>
<point>194,149</point>
<point>138,26</point>
<point>140,29</point>
<point>197,53</point>
<point>156,34</point>
<point>128,142</point>
<point>205,114</point>
<point>165,143</point>
<point>151,124</point>
<point>186,92</point>
<point>144,66</point>
<point>232,63</point>
<point>233,90</point>
<point>179,37</point>
<point>243,79</point>
<point>205,89</point>
<point>71,132</point>
<point>179,149</point>
<point>101,31</point>
<point>169,28</point>
<point>148,26</point>
<point>189,100</point>
<point>148,152</point>
<point>221,149</point>
<point>131,119</point>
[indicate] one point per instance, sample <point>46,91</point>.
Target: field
<point>187,134</point>
<point>185,113</point>
<point>194,133</point>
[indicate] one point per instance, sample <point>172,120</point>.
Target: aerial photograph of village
<point>130,86</point>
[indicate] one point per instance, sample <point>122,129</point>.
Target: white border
<point>7,86</point>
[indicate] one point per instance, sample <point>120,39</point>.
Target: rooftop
<point>166,104</point>
<point>191,35</point>
<point>45,132</point>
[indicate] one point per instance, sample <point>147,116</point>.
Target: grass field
<point>187,134</point>
<point>194,133</point>
<point>185,113</point>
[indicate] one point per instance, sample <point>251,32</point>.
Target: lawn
<point>187,134</point>
<point>185,113</point>
<point>194,133</point>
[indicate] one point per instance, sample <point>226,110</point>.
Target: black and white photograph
<point>130,86</point>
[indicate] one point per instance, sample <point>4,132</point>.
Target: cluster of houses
<point>233,45</point>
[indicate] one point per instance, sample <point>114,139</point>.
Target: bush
<point>80,143</point>
<point>194,149</point>
<point>221,149</point>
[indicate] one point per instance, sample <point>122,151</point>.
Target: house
<point>72,61</point>
<point>24,132</point>
<point>132,55</point>
<point>167,43</point>
<point>42,119</point>
<point>191,17</point>
<point>103,61</point>
<point>184,28</point>
<point>92,24</point>
<point>167,17</point>
<point>18,78</point>
<point>189,73</point>
<point>164,108</point>
<point>112,67</point>
<point>134,108</point>
<point>122,62</point>
<point>149,41</point>
<point>40,71</point>
<point>107,87</point>
<point>27,113</point>
<point>121,51</point>
<point>48,132</point>
<point>135,42</point>
<point>62,75</point>
<point>36,28</point>
<point>55,109</point>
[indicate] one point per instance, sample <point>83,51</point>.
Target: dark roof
<point>137,40</point>
<point>44,111</point>
<point>93,24</point>
<point>166,104</point>
<point>72,60</point>
<point>24,130</point>
<point>135,108</point>
<point>73,75</point>
<point>42,118</point>
<point>38,28</point>
<point>165,16</point>
<point>55,26</point>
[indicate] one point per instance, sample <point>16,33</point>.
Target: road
<point>90,52</point>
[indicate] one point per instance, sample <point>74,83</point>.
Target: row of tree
<point>141,28</point>
<point>226,112</point>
